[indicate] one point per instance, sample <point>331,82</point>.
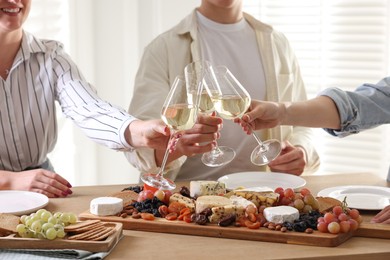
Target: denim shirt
<point>366,107</point>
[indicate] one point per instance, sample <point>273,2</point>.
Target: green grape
<point>58,227</point>
<point>36,226</point>
<point>46,226</point>
<point>57,215</point>
<point>51,233</point>
<point>45,215</point>
<point>29,222</point>
<point>39,212</point>
<point>65,217</point>
<point>61,233</point>
<point>23,218</point>
<point>72,218</point>
<point>53,220</point>
<point>21,229</point>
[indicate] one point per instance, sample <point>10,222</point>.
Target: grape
<point>308,199</point>
<point>337,210</point>
<point>43,224</point>
<point>72,218</point>
<point>354,213</point>
<point>334,227</point>
<point>345,226</point>
<point>46,226</point>
<point>51,234</point>
<point>322,227</point>
<point>289,193</point>
<point>299,204</point>
<point>159,194</point>
<point>45,215</point>
<point>305,191</point>
<point>36,226</point>
<point>329,218</point>
<point>64,217</point>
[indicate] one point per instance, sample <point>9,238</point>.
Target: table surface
<point>151,245</point>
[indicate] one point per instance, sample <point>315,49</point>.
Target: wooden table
<point>149,245</point>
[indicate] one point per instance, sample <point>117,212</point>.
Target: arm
<point>39,180</point>
<point>318,112</point>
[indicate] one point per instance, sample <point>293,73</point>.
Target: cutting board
<point>14,242</point>
<point>291,237</point>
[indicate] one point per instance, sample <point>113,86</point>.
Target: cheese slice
<point>203,188</point>
<point>106,206</point>
<point>177,197</point>
<point>211,201</point>
<point>218,213</point>
<point>281,214</point>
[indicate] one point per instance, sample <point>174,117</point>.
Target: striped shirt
<point>41,74</point>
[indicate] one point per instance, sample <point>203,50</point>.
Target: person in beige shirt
<point>262,60</point>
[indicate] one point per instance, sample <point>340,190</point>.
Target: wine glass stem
<point>165,158</point>
<point>262,146</point>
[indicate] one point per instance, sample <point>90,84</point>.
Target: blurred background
<point>339,43</point>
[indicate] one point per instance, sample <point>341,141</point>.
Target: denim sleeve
<point>366,107</point>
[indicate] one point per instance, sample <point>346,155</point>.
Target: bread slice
<point>327,203</point>
<point>128,196</point>
<point>8,223</point>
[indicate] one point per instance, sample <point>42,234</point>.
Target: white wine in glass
<point>179,112</point>
<point>198,73</point>
<point>231,100</point>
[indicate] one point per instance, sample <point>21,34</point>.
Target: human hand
<point>383,216</point>
<point>197,140</point>
<point>260,115</point>
<point>151,133</point>
<point>41,181</point>
<point>292,159</point>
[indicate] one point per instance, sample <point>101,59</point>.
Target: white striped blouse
<point>41,74</point>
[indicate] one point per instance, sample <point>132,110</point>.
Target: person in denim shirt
<point>340,113</point>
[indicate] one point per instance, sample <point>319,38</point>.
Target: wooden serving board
<point>290,237</point>
<point>14,242</point>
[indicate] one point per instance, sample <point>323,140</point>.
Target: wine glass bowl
<point>179,112</point>
<point>200,73</point>
<point>231,101</point>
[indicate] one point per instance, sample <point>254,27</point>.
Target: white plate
<point>360,196</point>
<point>21,202</point>
<point>272,180</point>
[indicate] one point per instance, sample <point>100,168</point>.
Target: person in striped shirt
<point>34,74</point>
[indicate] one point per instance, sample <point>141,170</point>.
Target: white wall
<point>108,41</point>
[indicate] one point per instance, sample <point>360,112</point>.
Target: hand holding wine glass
<point>198,73</point>
<point>179,112</point>
<point>231,101</point>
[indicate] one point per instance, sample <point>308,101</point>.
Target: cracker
<point>86,228</point>
<point>107,230</point>
<point>109,233</point>
<point>80,225</point>
<point>84,235</point>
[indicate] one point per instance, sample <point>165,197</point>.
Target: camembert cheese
<point>281,214</point>
<point>106,206</point>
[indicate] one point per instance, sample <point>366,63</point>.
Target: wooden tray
<point>291,237</point>
<point>14,242</point>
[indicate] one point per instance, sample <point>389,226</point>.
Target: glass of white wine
<point>179,112</point>
<point>231,100</point>
<point>198,74</point>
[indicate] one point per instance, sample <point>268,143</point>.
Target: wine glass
<point>179,112</point>
<point>197,74</point>
<point>231,100</point>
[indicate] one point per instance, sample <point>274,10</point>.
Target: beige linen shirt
<point>167,55</point>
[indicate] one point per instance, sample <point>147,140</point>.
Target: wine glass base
<point>219,156</point>
<point>262,156</point>
<point>158,182</point>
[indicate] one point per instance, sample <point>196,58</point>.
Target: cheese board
<point>263,234</point>
<point>14,242</point>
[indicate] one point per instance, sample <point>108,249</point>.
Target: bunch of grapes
<point>340,220</point>
<point>303,200</point>
<point>45,225</point>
